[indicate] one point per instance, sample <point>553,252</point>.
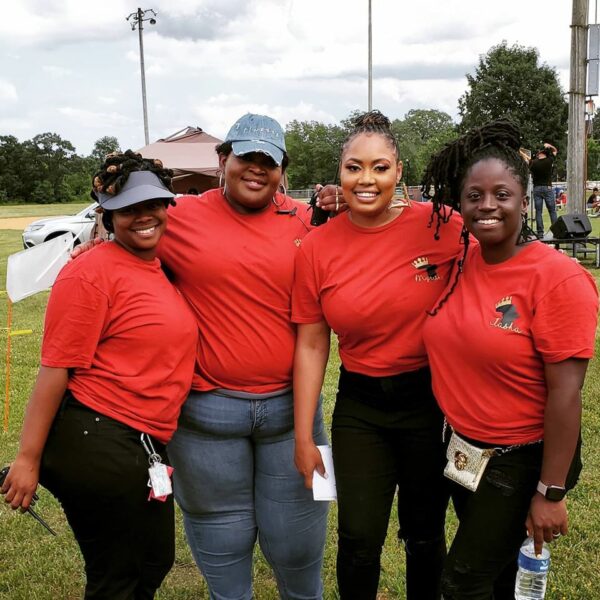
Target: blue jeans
<point>235,480</point>
<point>543,194</point>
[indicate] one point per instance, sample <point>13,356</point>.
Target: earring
<point>275,202</point>
<point>337,199</point>
<point>221,179</point>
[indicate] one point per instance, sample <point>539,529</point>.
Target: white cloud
<point>57,71</point>
<point>77,72</point>
<point>8,92</point>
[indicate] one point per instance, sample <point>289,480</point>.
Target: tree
<point>103,146</point>
<point>420,134</point>
<point>593,159</point>
<point>55,158</point>
<point>315,151</point>
<point>510,82</point>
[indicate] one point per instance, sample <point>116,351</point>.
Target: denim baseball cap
<point>257,133</point>
<point>139,187</point>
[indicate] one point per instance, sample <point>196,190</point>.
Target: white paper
<point>35,269</point>
<point>324,488</point>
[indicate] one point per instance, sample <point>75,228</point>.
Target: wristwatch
<point>554,493</point>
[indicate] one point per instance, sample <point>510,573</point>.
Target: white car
<point>80,225</point>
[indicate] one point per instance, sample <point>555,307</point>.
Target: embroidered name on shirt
<point>426,272</point>
<point>509,315</point>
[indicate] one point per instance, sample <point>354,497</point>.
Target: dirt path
<point>17,222</point>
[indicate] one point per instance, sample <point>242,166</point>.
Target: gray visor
<point>139,187</point>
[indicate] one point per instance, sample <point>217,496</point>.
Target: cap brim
<point>248,146</point>
<point>139,187</point>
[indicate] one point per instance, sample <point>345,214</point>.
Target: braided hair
<point>372,121</point>
<point>446,172</point>
<point>115,171</point>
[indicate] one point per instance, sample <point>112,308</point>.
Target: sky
<point>72,67</point>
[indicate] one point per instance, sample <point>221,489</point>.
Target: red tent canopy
<point>191,154</point>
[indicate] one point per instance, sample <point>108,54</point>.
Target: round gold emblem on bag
<point>460,460</point>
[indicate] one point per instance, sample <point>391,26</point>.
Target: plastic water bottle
<point>532,575</point>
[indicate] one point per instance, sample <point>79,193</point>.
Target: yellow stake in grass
<point>8,338</point>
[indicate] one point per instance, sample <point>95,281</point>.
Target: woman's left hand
<point>546,520</point>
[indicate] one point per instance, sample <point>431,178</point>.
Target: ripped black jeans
<point>387,441</point>
<point>482,561</point>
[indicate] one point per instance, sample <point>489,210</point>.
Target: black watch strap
<point>553,493</point>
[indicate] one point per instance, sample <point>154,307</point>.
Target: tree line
<point>47,169</point>
<point>509,81</point>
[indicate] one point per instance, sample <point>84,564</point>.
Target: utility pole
<point>137,20</point>
<point>370,61</point>
<point>577,88</point>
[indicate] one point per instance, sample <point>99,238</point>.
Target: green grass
<point>36,566</point>
<point>41,210</point>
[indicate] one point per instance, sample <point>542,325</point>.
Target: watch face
<point>555,494</point>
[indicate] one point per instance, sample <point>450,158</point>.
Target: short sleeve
<point>306,305</point>
<point>565,320</point>
<point>75,318</point>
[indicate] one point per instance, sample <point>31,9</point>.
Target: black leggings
<point>97,469</point>
<point>387,435</point>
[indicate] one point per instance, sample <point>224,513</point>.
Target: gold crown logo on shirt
<point>506,301</point>
<point>421,262</point>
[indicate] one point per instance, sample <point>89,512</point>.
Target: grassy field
<point>41,210</point>
<point>36,566</point>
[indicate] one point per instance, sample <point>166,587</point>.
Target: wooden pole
<point>7,382</point>
<point>577,138</point>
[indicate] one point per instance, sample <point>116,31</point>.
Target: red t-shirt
<point>127,335</point>
<point>488,344</point>
<point>236,271</point>
<point>373,286</point>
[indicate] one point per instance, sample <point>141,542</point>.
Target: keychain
<point>160,480</point>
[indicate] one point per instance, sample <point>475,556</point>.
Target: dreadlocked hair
<point>115,171</point>
<point>371,122</point>
<point>446,172</point>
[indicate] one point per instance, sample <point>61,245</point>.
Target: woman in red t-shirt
<point>508,348</point>
<point>370,275</point>
<point>107,396</point>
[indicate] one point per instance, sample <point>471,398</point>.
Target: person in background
<point>508,350</point>
<point>541,172</point>
<point>371,274</point>
<point>593,203</point>
<point>117,362</point>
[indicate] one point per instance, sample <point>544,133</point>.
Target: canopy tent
<point>191,154</point>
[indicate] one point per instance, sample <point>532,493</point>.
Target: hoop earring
<point>221,179</point>
<point>282,189</point>
<point>275,202</point>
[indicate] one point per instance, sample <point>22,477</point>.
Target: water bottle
<point>532,575</point>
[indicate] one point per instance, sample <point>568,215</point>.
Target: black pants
<point>97,469</point>
<point>387,435</point>
<point>482,561</point>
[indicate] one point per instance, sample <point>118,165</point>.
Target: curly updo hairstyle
<point>372,121</point>
<point>115,171</point>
